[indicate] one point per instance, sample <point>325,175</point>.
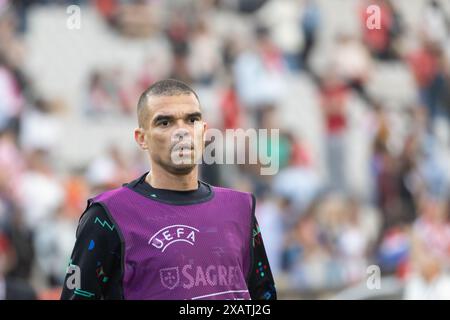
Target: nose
<point>180,134</point>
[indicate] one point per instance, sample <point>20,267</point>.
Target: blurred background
<point>363,116</point>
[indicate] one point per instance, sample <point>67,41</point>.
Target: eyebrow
<point>194,114</point>
<point>163,117</point>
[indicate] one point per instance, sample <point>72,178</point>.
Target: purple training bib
<point>189,251</point>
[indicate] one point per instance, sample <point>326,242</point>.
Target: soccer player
<point>168,235</point>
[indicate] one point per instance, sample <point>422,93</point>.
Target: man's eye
<point>164,123</point>
<point>192,120</point>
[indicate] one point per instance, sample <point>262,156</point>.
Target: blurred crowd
<point>320,235</point>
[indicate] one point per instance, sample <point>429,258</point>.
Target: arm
<point>261,284</point>
<point>94,270</point>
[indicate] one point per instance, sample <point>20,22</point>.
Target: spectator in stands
<point>353,64</point>
<point>11,99</point>
<point>430,68</point>
<point>382,40</point>
<point>334,95</point>
<point>39,188</point>
<point>435,23</point>
<point>204,54</point>
<point>259,72</point>
<point>309,24</point>
<point>11,288</point>
<point>430,257</point>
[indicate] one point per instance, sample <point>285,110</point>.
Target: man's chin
<point>180,169</point>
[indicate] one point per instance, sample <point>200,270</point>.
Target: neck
<point>161,179</point>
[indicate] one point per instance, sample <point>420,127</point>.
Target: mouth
<point>183,147</point>
<point>182,154</point>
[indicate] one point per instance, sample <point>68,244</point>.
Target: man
<point>168,235</point>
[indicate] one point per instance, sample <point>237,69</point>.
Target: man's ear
<point>139,136</point>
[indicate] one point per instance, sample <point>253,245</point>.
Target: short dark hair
<point>167,87</point>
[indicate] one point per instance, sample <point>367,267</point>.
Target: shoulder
<point>109,194</point>
<point>232,191</point>
<point>93,212</point>
<point>96,220</point>
<point>245,196</point>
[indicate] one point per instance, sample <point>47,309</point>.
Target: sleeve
<point>261,284</point>
<point>94,270</point>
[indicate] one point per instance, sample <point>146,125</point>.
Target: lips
<point>182,147</point>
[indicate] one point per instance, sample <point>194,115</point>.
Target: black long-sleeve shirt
<point>100,268</point>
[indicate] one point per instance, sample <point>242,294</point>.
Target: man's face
<point>173,132</point>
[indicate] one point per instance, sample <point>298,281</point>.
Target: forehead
<point>176,105</point>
